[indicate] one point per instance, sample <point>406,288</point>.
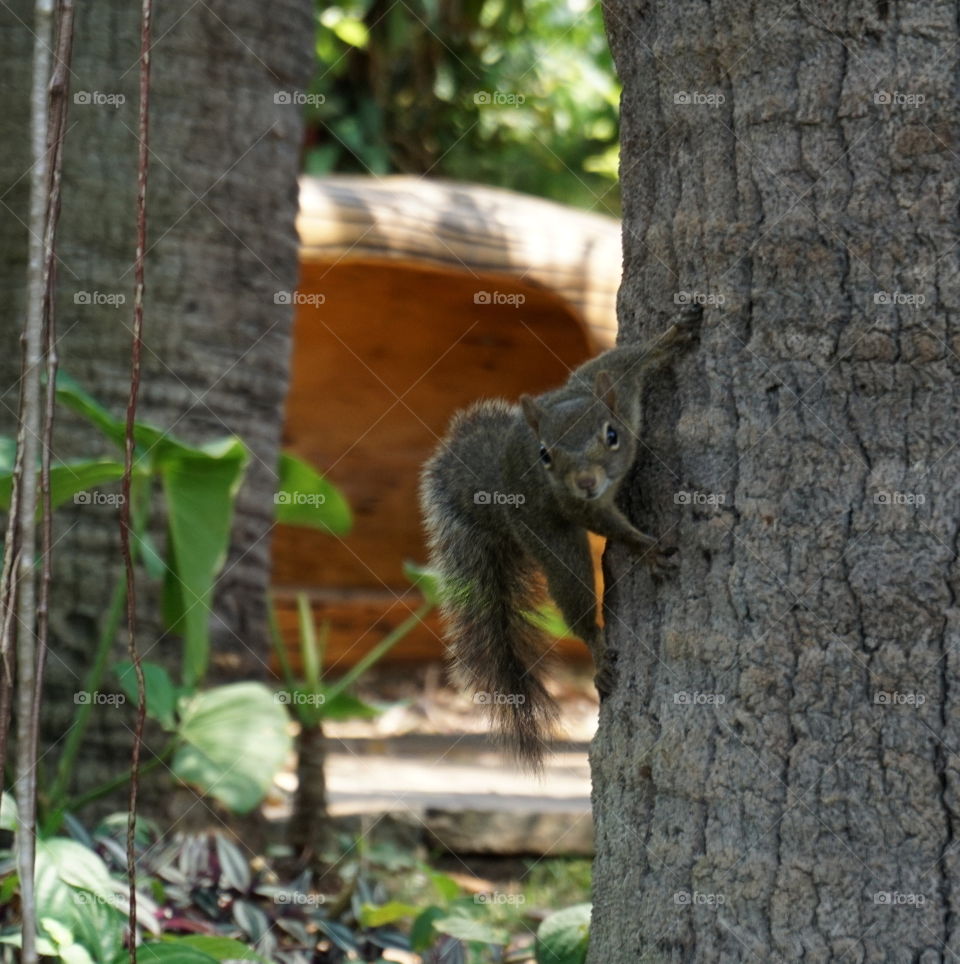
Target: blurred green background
<point>515,93</point>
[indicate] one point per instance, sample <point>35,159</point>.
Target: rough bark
<point>804,805</point>
<point>221,208</point>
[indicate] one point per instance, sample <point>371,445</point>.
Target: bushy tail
<point>495,651</point>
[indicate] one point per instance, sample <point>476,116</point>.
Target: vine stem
<point>128,452</point>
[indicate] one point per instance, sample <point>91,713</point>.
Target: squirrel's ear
<point>531,412</point>
<point>604,389</point>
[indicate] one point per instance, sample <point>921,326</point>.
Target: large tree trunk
<point>797,163</point>
<point>221,241</point>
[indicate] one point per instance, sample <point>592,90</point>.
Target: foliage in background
<point>202,898</point>
<point>516,93</point>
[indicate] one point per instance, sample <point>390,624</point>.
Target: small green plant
<point>230,740</point>
<point>312,700</point>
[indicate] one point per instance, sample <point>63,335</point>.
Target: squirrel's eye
<point>545,455</point>
<point>613,440</point>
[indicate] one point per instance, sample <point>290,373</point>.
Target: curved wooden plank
<point>468,227</point>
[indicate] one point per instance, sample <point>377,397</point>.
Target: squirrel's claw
<point>663,562</point>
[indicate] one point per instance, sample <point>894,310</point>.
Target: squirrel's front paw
<point>663,562</point>
<point>687,327</point>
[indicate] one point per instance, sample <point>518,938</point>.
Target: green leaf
<point>69,479</point>
<point>423,932</point>
<point>465,928</point>
<point>345,706</point>
<point>8,453</point>
<point>73,396</point>
<point>150,556</point>
<point>311,651</point>
<point>306,498</point>
<point>235,740</point>
<point>426,580</point>
<point>372,915</point>
<point>562,938</point>
<point>160,691</point>
<point>351,31</point>
<point>74,888</point>
<point>174,951</point>
<point>210,947</point>
<point>446,886</point>
<point>200,487</point>
<point>8,812</point>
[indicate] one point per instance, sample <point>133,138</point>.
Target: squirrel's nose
<point>587,482</point>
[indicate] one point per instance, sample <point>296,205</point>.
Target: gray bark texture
<point>221,240</point>
<point>776,770</point>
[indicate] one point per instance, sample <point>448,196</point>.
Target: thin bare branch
<point>25,787</point>
<point>59,88</point>
<point>125,507</point>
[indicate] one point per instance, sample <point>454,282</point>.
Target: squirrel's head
<point>586,448</point>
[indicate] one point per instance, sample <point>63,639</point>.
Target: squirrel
<point>510,493</point>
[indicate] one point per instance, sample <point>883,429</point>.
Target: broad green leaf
<point>73,480</point>
<point>8,453</point>
<point>465,928</point>
<point>446,886</point>
<point>372,915</point>
<point>219,948</point>
<point>150,556</point>
<point>423,932</point>
<point>8,812</point>
<point>73,396</point>
<point>160,691</point>
<point>74,888</point>
<point>174,951</point>
<point>562,938</point>
<point>200,487</point>
<point>345,706</point>
<point>306,498</point>
<point>235,740</point>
